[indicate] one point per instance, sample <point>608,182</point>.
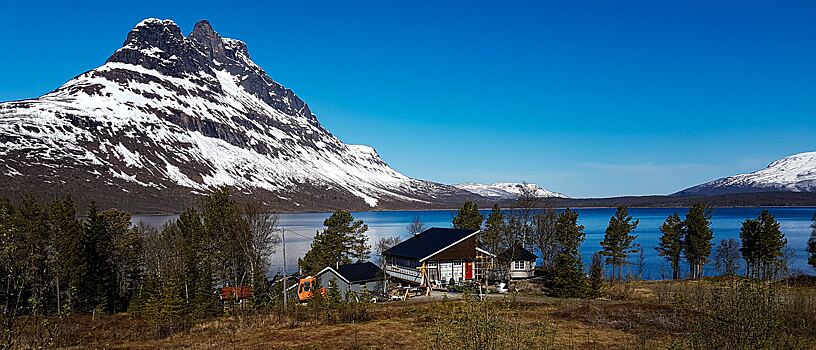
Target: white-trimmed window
<point>518,265</point>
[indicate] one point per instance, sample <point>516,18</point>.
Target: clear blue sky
<point>587,98</point>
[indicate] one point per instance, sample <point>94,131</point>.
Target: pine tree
<point>773,243</point>
<point>342,242</point>
<point>568,279</point>
<point>671,243</point>
<point>811,248</point>
<point>333,297</point>
<point>98,284</point>
<point>352,234</point>
<point>569,234</point>
<point>15,275</point>
<point>125,257</point>
<point>194,244</point>
<point>171,308</point>
<point>491,236</point>
<point>31,252</point>
<point>66,236</point>
<point>225,229</point>
<point>697,236</point>
<point>596,275</point>
<point>617,242</point>
<point>468,217</point>
<point>749,235</point>
<point>762,245</point>
<point>146,300</point>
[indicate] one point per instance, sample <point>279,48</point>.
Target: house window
<point>518,265</point>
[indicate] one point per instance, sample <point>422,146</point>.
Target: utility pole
<point>283,241</point>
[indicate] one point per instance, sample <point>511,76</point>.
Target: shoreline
<point>511,209</point>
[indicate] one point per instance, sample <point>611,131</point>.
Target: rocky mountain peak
<point>159,45</point>
<point>153,32</point>
<point>169,116</point>
<point>207,40</point>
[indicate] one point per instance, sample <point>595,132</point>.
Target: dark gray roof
<point>360,272</point>
<point>518,253</point>
<point>428,242</point>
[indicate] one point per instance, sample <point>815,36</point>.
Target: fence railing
<point>404,273</point>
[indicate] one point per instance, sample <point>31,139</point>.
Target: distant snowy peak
<point>507,190</point>
<point>173,114</point>
<point>796,173</point>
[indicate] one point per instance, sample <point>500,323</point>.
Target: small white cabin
<point>522,262</point>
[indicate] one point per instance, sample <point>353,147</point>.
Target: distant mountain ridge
<point>507,190</point>
<point>168,117</point>
<point>795,173</point>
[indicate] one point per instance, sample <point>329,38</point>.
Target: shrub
<point>745,315</point>
<point>473,324</point>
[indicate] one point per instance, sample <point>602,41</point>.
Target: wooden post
<point>426,280</point>
<point>283,241</point>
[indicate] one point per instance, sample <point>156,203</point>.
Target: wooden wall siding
<point>326,278</point>
<point>465,250</point>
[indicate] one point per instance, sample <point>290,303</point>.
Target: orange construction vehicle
<point>306,287</point>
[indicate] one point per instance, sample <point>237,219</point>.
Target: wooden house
<point>357,278</point>
<point>236,296</point>
<point>437,257</point>
<point>518,262</point>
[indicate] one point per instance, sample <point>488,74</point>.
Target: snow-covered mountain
<point>507,190</point>
<point>796,173</point>
<point>169,116</point>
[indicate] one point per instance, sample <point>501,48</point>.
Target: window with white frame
<point>518,265</point>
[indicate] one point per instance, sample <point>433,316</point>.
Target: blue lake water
<point>725,222</point>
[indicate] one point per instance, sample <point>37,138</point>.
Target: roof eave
<point>450,245</point>
<point>335,272</point>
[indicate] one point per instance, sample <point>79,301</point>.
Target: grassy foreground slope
<point>643,315</point>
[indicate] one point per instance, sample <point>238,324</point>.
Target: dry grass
<point>648,320</point>
<point>394,326</point>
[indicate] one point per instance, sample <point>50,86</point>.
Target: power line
<point>297,234</point>
<point>283,242</point>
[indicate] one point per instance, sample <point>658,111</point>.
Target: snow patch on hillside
<point>507,190</point>
<point>796,173</point>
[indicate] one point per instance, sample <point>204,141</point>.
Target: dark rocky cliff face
<point>168,117</point>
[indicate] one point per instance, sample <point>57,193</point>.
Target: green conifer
<point>491,236</point>
<point>342,241</point>
<point>568,278</point>
<point>596,275</point>
<point>617,242</point>
<point>671,243</point>
<point>468,217</point>
<point>697,236</point>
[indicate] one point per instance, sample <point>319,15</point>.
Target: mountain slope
<point>167,117</point>
<point>796,173</point>
<point>507,190</point>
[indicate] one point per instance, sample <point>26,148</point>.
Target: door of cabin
<point>469,270</point>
